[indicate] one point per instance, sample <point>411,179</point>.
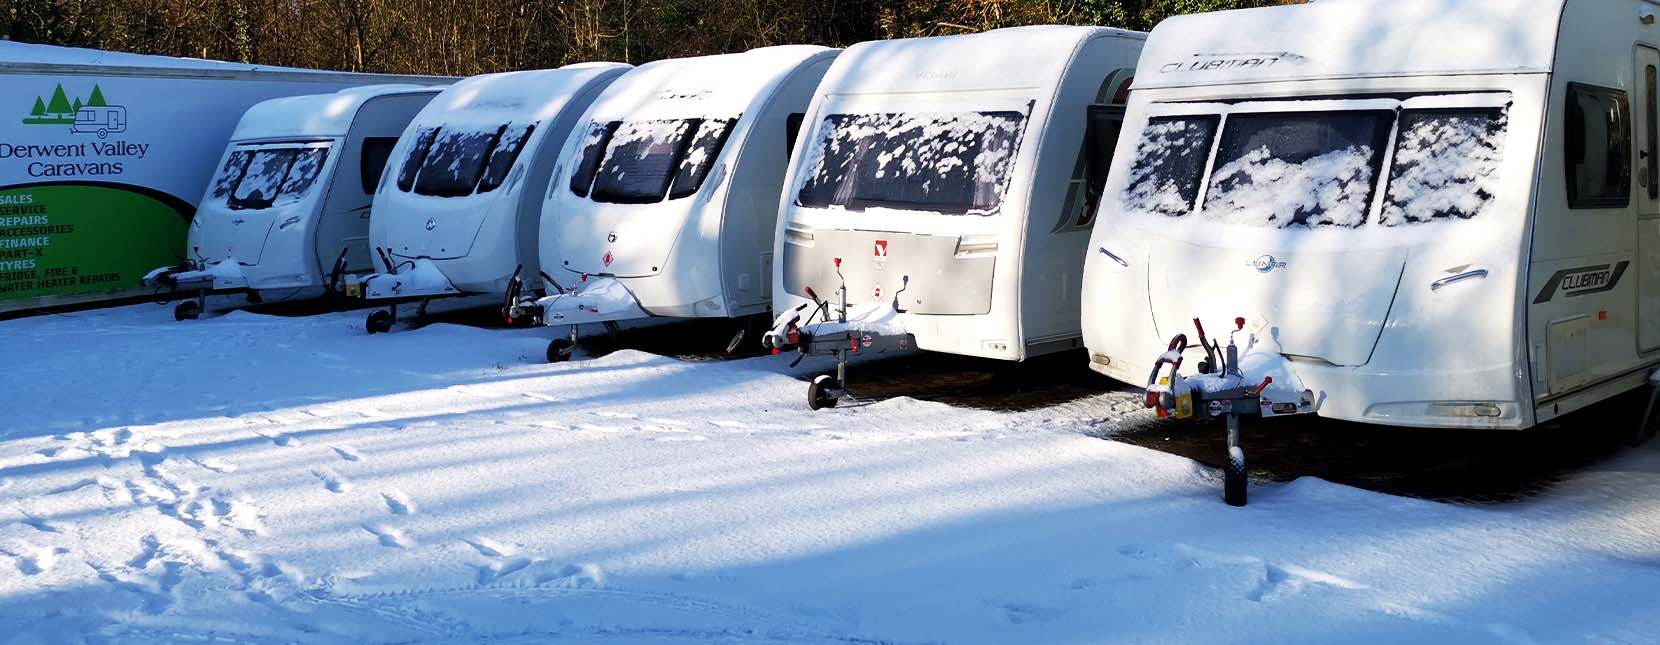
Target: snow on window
<point>1169,164</point>
<point>593,150</point>
<point>263,178</point>
<point>417,156</point>
<point>225,180</point>
<point>453,166</point>
<point>700,156</point>
<point>951,163</point>
<point>640,161</point>
<point>507,151</point>
<point>307,167</point>
<point>1307,169</point>
<point>1446,165</point>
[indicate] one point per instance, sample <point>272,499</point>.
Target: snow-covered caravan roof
<point>1332,39</point>
<point>493,99</point>
<point>999,59</point>
<point>706,86</point>
<point>29,57</point>
<point>313,115</point>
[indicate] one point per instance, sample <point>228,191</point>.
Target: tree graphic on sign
<point>60,110</point>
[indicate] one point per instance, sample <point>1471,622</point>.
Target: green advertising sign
<point>61,239</point>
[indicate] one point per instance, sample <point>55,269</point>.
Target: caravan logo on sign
<point>93,116</point>
<point>880,253</point>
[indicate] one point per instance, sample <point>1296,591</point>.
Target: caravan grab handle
<point>1438,284</point>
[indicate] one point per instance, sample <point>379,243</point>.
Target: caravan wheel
<point>560,350</point>
<point>378,322</point>
<point>187,310</point>
<point>1233,478</point>
<point>821,393</point>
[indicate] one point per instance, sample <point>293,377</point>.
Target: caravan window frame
<point>1386,170</point>
<point>1575,151</point>
<point>843,196</point>
<point>685,174</point>
<point>226,192</point>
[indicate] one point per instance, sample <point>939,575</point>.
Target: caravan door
<point>1648,197</point>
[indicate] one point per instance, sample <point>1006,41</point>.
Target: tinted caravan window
<point>263,178</point>
<point>1170,164</point>
<point>372,161</point>
<point>953,164</point>
<point>507,151</point>
<point>593,150</point>
<point>1298,169</point>
<point>231,173</point>
<point>1598,147</point>
<point>641,160</point>
<point>1446,165</point>
<point>417,156</point>
<point>700,156</point>
<point>453,166</point>
<point>302,174</point>
<point>1100,141</point>
<point>792,130</point>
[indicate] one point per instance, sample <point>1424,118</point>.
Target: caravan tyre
<point>379,321</point>
<point>819,392</point>
<point>187,310</point>
<point>560,350</point>
<point>1233,478</point>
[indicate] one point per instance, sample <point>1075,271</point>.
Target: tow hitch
<point>1230,384</point>
<point>842,331</point>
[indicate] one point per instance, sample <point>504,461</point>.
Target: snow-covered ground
<point>292,479</point>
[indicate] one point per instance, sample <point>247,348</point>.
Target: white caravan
<point>460,205</point>
<point>288,209</point>
<point>1428,213</point>
<point>943,193</point>
<point>668,195</point>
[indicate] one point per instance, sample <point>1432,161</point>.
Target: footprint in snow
<point>721,423</point>
<point>332,480</point>
<point>348,453</point>
<point>609,414</point>
<point>496,570</point>
<point>389,536</point>
<point>34,560</point>
<point>215,464</point>
<point>491,548</point>
<point>398,502</point>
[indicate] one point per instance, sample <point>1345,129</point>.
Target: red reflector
<point>1602,315</point>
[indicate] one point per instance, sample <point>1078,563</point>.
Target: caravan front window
<point>235,165</point>
<point>256,178</point>
<point>453,166</point>
<point>417,157</point>
<point>306,168</point>
<point>507,150</point>
<point>1298,169</point>
<point>1323,167</point>
<point>1170,164</point>
<point>955,164</point>
<point>640,162</point>
<point>263,177</point>
<point>700,155</point>
<point>1446,165</point>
